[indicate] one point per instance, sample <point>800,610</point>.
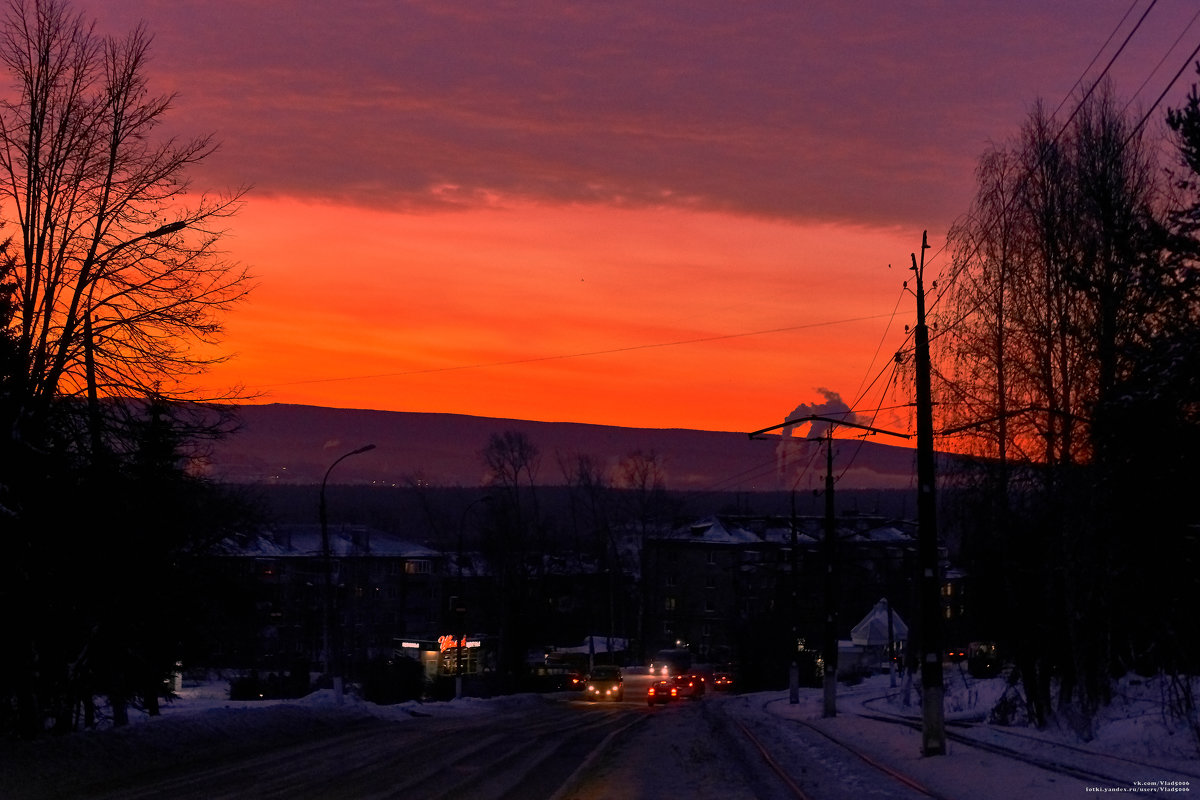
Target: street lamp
<point>89,352</point>
<point>327,600</point>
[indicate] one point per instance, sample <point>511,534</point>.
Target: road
<point>559,747</point>
<point>523,754</point>
<point>716,748</point>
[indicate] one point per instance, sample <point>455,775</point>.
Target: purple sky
<point>861,112</point>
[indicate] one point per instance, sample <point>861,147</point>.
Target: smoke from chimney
<point>795,452</point>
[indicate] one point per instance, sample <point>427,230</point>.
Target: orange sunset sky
<point>670,215</point>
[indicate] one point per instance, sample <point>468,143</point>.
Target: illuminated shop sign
<point>450,643</point>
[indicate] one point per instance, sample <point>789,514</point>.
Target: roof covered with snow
<point>873,628</point>
<point>300,541</point>
<point>715,530</point>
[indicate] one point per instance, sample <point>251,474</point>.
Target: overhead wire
<point>1162,61</point>
<point>1063,128</point>
<point>894,363</point>
<point>586,354</point>
<point>1145,117</point>
<point>948,280</point>
<point>1061,131</point>
<point>1095,58</point>
<point>860,392</point>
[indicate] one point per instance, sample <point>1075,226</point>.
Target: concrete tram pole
<point>933,724</point>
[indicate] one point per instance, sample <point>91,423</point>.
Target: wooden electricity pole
<point>933,727</point>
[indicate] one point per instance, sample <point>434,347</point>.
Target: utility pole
<point>832,585</point>
<point>829,552</point>
<point>793,610</point>
<point>933,727</point>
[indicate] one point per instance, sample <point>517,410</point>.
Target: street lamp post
<point>331,663</point>
<point>89,352</point>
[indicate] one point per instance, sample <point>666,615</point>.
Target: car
<point>722,682</point>
<point>661,692</point>
<point>605,683</point>
<point>691,685</point>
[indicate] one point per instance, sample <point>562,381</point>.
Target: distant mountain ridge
<point>296,444</point>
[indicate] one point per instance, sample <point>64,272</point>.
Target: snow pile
<point>1139,723</point>
<point>1143,721</point>
<point>203,725</point>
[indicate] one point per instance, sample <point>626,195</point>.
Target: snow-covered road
<point>531,746</point>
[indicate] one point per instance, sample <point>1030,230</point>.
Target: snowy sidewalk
<point>1135,744</point>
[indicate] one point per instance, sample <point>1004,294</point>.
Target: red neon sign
<point>449,643</point>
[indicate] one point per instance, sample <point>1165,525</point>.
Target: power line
<point>1096,57</point>
<point>568,356</point>
<point>1105,71</point>
<point>1062,129</point>
<point>892,366</point>
<point>1183,33</point>
<point>1150,110</point>
<point>860,392</point>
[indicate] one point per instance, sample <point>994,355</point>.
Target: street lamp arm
<point>817,418</point>
<point>363,449</point>
<point>173,227</point>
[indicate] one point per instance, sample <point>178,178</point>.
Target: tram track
<point>958,731</point>
<point>776,768</point>
<point>1047,763</point>
<point>889,773</point>
<point>813,765</point>
<point>1067,765</point>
